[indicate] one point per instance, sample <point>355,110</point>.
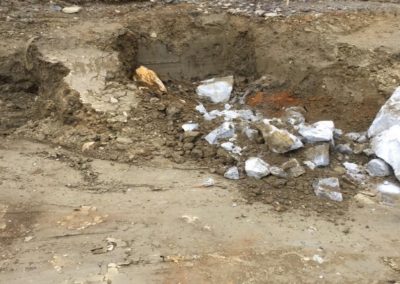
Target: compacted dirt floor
<point>98,185</point>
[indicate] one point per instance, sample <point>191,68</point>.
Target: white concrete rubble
<point>388,115</point>
<point>257,168</point>
<point>279,140</point>
<point>218,90</point>
<point>226,130</point>
<point>232,173</point>
<point>321,131</point>
<point>190,126</point>
<point>328,188</point>
<point>319,155</point>
<point>230,147</point>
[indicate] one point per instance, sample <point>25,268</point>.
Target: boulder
<point>388,115</point>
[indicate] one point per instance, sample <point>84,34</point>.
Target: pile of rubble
<point>312,144</point>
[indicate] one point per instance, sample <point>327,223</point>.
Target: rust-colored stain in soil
<point>272,103</point>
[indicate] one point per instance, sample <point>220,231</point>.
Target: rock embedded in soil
<point>226,130</point>
<point>232,173</point>
<point>318,155</point>
<point>279,140</point>
<point>218,90</point>
<point>328,188</point>
<point>344,149</point>
<point>321,131</point>
<point>257,168</point>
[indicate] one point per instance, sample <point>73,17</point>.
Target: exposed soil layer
<point>304,60</point>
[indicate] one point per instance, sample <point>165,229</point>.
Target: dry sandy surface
<point>168,229</point>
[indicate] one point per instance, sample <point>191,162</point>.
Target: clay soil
<point>134,210</point>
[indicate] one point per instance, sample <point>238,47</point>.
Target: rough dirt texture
<point>67,80</point>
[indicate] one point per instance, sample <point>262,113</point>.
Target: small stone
<point>88,146</point>
<point>71,9</point>
<point>113,100</point>
<point>232,173</point>
<point>296,171</point>
<point>344,149</point>
<point>278,172</point>
<point>292,163</point>
<point>328,188</point>
<point>124,140</point>
<point>279,140</point>
<point>378,168</point>
<point>321,131</point>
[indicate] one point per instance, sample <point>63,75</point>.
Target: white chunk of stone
<point>320,131</point>
<point>257,168</point>
<point>226,130</point>
<point>217,90</point>
<point>232,173</point>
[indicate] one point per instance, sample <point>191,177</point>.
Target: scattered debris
<point>230,147</point>
<point>189,219</point>
<point>344,149</point>
<point>88,146</point>
<point>226,130</point>
<point>150,79</point>
<point>232,173</point>
<point>218,90</point>
<point>82,217</point>
<point>317,258</point>
<point>321,131</point>
<point>392,262</point>
<point>278,172</point>
<point>328,188</point>
<point>257,168</point>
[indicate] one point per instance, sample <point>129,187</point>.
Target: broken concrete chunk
<point>354,171</point>
<point>217,90</point>
<point>190,126</point>
<point>279,140</point>
<point>386,146</point>
<point>232,173</point>
<point>71,9</point>
<point>328,188</point>
<point>353,136</point>
<point>378,168</point>
<point>230,147</point>
<point>337,133</point>
<point>257,168</point>
<point>318,155</point>
<point>250,133</point>
<point>388,115</point>
<point>344,149</point>
<point>150,79</point>
<point>124,140</point>
<point>226,130</point>
<point>321,131</point>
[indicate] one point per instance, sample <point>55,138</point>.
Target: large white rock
<point>218,90</point>
<point>257,168</point>
<point>386,145</point>
<point>320,131</point>
<point>226,130</point>
<point>388,115</point>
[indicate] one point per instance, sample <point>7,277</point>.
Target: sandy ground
<point>168,229</point>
